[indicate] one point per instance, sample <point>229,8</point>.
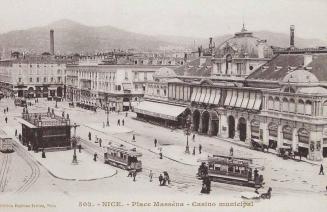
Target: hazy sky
<point>195,18</point>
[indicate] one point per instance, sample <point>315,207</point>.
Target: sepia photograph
<point>163,105</point>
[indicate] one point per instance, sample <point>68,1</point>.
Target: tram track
<point>5,166</point>
<point>34,167</point>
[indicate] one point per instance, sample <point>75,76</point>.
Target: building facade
<point>33,76</point>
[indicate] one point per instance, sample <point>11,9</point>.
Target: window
<point>325,109</point>
<point>218,67</point>
<point>292,106</point>
<point>300,106</point>
<point>126,75</point>
<point>270,103</point>
<point>276,104</point>
<point>285,105</point>
<point>165,92</point>
<point>118,87</point>
<point>308,107</point>
<point>158,91</point>
<point>37,79</point>
<point>44,79</point>
<point>239,68</point>
<point>19,79</point>
<point>31,79</point>
<point>59,79</point>
<point>51,79</point>
<point>145,77</point>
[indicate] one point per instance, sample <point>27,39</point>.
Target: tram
<point>231,170</point>
<point>20,102</point>
<point>6,144</point>
<point>120,156</point>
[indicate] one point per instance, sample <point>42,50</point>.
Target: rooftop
<point>45,119</point>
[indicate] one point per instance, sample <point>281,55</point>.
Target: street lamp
<point>188,132</point>
<point>74,142</point>
<point>107,112</point>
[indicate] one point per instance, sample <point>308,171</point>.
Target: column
<point>265,131</point>
<point>237,131</point>
<point>279,136</point>
<point>248,132</point>
<point>295,143</point>
<point>209,126</point>
<point>223,126</point>
<point>200,124</point>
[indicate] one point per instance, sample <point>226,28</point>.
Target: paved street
<point>299,178</point>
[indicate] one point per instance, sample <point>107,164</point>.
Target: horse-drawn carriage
<point>120,156</point>
<point>232,170</point>
<point>257,144</point>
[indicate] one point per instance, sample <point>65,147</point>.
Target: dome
<point>164,72</point>
<point>300,76</point>
<point>244,44</point>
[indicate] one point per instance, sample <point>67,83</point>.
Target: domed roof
<point>300,76</point>
<point>244,44</point>
<point>164,72</point>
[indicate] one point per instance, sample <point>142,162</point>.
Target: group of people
<point>164,179</point>
<point>122,121</point>
<point>132,173</point>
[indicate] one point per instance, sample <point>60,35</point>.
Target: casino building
<point>281,102</point>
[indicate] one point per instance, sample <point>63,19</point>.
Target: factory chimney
<point>292,28</point>
<point>52,42</point>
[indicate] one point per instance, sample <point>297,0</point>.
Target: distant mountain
<point>71,37</point>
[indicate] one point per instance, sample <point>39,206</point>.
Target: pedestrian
<point>193,137</point>
<point>96,139</point>
<point>95,157</point>
<point>126,114</point>
<point>155,142</point>
<point>130,173</point>
<point>231,151</point>
<point>123,122</point>
<point>256,175</point>
<point>6,119</point>
<point>134,175</point>
<point>151,175</point>
<point>4,111</point>
<point>160,179</point>
<point>200,148</point>
<point>321,170</point>
<point>7,109</point>
<point>193,151</point>
<point>133,137</point>
<point>16,133</point>
<point>89,136</point>
<point>79,148</point>
<point>118,122</point>
<point>100,142</point>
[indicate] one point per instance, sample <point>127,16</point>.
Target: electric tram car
<point>120,156</point>
<point>6,144</point>
<point>20,102</point>
<point>231,170</point>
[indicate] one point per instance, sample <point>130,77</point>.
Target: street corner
<point>60,164</point>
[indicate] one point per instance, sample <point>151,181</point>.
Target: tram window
<point>230,169</point>
<point>121,155</point>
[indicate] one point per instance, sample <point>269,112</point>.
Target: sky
<point>192,18</point>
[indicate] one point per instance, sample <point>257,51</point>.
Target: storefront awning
<point>212,96</point>
<point>246,96</point>
<point>194,93</point>
<point>251,101</point>
<point>203,95</point>
<point>239,99</point>
<point>164,111</point>
<point>217,97</point>
<point>257,103</point>
<point>234,98</point>
<point>228,97</point>
<point>198,95</point>
<point>207,97</point>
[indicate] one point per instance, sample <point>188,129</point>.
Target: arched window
<point>270,103</point>
<point>285,105</point>
<point>308,107</point>
<point>276,104</point>
<point>292,106</point>
<point>300,106</point>
<point>324,109</point>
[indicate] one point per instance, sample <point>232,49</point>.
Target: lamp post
<point>74,142</point>
<point>107,112</point>
<point>188,132</point>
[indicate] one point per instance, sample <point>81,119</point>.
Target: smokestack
<point>52,42</point>
<point>292,28</point>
